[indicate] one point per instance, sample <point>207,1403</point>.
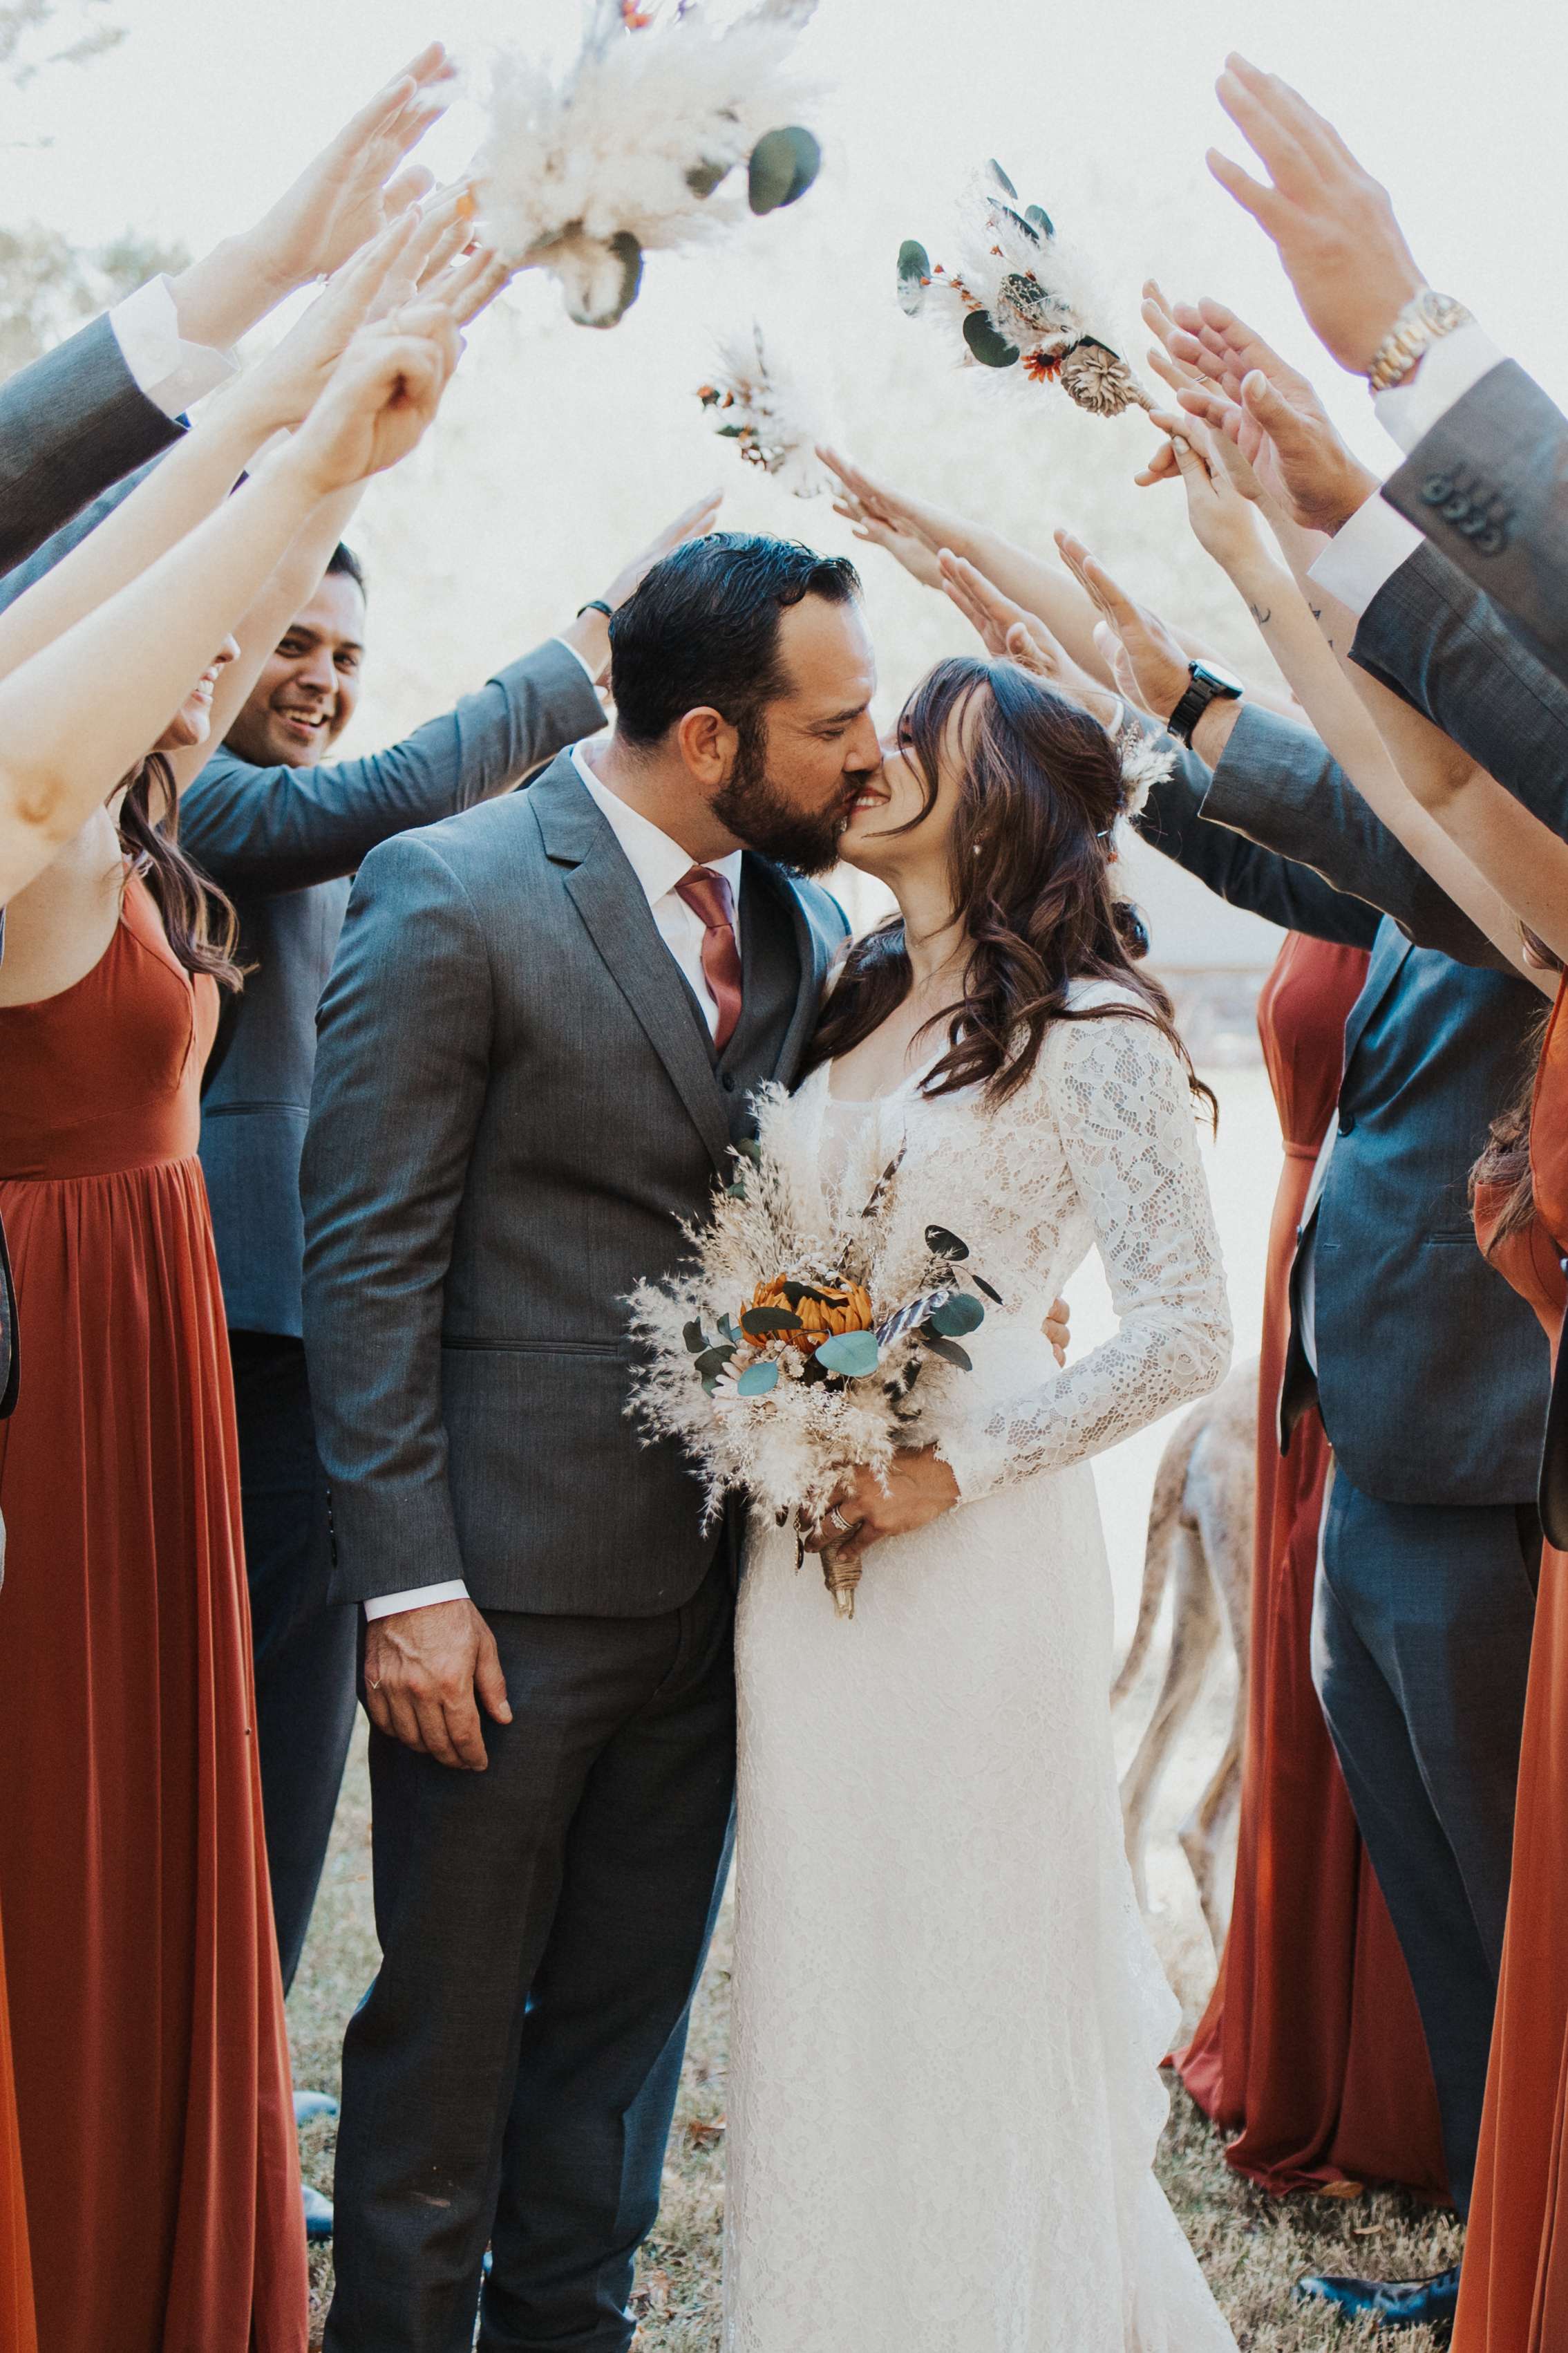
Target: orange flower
<point>843,1308</point>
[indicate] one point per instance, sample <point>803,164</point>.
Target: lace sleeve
<point>1112,1095</point>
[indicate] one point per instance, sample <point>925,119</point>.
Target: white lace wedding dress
<point>948,2018</point>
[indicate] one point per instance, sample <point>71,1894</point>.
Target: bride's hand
<point>1010,634</point>
<point>1223,517</point>
<point>910,531</point>
<point>920,1488</point>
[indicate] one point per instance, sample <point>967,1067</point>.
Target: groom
<point>535,1053</point>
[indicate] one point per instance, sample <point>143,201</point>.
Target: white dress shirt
<point>1368,551</point>
<point>174,375</point>
<point>659,864</point>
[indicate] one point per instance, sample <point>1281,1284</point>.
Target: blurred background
<point>133,131</point>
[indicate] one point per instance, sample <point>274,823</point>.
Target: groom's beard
<point>754,810</point>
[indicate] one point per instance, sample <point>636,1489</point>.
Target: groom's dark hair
<point>703,630</point>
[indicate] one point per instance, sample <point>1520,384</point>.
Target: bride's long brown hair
<point>202,927</point>
<point>1039,795</point>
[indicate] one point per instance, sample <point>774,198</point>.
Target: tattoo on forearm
<point>1261,614</point>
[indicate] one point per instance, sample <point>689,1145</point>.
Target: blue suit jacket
<point>1432,1372</point>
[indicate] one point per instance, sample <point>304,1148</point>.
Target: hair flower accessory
<point>1146,761</point>
<point>1022,299</point>
<point>664,130</point>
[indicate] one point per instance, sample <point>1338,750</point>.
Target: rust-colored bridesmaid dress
<point>1513,2292</point>
<point>17,2334</point>
<point>1311,2049</point>
<point>152,2083</point>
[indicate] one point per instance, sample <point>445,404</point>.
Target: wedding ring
<point>837,1520</point>
<point>373,1682</point>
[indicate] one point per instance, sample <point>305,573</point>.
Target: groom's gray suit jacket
<point>517,1100</point>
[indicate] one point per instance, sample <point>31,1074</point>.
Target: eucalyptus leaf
<point>960,1315</point>
<point>980,1284</point>
<point>731,432</point>
<point>623,248</point>
<point>943,1244</point>
<point>853,1353</point>
<point>751,1150</point>
<point>1040,219</point>
<point>762,1323</point>
<point>731,1329</point>
<point>990,348</point>
<point>714,1361</point>
<point>704,178</point>
<point>711,1382</point>
<point>783,165</point>
<point>695,1338</point>
<point>949,1351</point>
<point>757,1380</point>
<point>1002,176</point>
<point>914,275</point>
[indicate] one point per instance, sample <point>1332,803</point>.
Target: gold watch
<point>1424,319</point>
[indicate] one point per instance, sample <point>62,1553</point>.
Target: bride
<point>944,2099</point>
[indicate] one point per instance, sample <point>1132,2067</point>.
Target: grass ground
<point>1251,2247</point>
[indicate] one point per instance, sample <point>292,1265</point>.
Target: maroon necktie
<point>707,896</point>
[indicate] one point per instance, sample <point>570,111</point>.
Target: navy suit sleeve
<point>1488,486</point>
<point>1277,784</point>
<point>1243,872</point>
<point>1432,637</point>
<point>258,830</point>
<point>71,426</point>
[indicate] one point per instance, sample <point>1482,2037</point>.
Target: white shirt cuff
<point>421,1596</point>
<point>1448,370</point>
<point>172,374</point>
<point>592,676</point>
<point>1365,552</point>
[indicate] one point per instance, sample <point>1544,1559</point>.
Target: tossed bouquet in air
<point>668,127</point>
<point>806,1336</point>
<point>755,403</point>
<point>1021,298</point>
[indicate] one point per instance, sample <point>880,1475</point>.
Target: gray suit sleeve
<point>1488,486</point>
<point>1244,873</point>
<point>257,831</point>
<point>1277,784</point>
<point>71,426</point>
<point>1434,638</point>
<point>402,1071</point>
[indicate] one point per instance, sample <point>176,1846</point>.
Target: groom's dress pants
<point>510,2076</point>
<point>1421,1652</point>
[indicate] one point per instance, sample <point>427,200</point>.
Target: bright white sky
<point>564,447</point>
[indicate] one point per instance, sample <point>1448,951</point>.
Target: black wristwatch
<point>1207,683</point>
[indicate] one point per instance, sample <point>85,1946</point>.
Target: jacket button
<point>727,1081</point>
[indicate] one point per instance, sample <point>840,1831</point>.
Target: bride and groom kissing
<point>538,1054</point>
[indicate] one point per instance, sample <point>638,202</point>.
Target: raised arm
<point>63,751</point>
<point>1110,1095</point>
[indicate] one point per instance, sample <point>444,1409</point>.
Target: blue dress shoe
<point>308,2105</point>
<point>318,2215</point>
<point>1393,2304</point>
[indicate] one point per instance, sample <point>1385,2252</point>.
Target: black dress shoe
<point>1393,2304</point>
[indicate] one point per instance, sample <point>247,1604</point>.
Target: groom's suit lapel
<point>762,877</point>
<point>612,903</point>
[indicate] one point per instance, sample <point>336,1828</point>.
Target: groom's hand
<point>422,1670</point>
<point>920,1488</point>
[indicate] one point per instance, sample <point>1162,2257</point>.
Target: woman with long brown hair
<point>949,2020</point>
<point>152,2083</point>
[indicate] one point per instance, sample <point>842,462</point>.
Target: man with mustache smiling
<point>282,827</point>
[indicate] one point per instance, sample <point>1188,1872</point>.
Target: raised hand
<point>1332,224</point>
<point>1152,671</point>
<point>1009,633</point>
<point>912,533</point>
<point>694,522</point>
<point>382,398</point>
<point>1223,517</point>
<point>283,388</point>
<point>1282,429</point>
<point>354,187</point>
